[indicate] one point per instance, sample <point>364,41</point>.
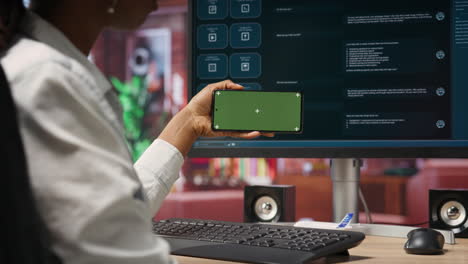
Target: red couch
<point>211,205</point>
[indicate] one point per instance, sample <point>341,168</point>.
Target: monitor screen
<point>385,78</point>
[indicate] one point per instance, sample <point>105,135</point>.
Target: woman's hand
<point>195,120</point>
<point>200,108</point>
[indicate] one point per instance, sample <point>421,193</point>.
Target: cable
<point>366,209</point>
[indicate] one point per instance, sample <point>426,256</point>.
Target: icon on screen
<point>212,37</point>
<point>245,8</point>
<point>245,66</point>
<point>440,124</point>
<point>440,91</point>
<point>440,16</point>
<point>440,55</point>
<point>245,36</point>
<point>212,67</point>
<point>212,10</point>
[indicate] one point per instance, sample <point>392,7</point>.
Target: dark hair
<point>11,12</point>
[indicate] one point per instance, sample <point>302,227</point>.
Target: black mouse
<point>425,241</point>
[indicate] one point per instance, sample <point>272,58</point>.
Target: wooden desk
<point>378,250</point>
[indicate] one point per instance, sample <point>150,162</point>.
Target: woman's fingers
<point>243,135</point>
<point>268,135</point>
<point>249,135</point>
<point>225,85</point>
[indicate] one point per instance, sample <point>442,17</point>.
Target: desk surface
<point>379,250</point>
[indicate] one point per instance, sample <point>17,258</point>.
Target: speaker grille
<point>266,208</point>
<point>448,210</point>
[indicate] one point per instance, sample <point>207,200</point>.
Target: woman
<point>96,203</point>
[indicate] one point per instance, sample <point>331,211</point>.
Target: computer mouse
<point>424,241</point>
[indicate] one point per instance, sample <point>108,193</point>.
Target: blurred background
<point>148,69</point>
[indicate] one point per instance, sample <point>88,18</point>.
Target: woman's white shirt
<point>97,204</point>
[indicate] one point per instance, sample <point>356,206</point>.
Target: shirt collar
<point>37,28</point>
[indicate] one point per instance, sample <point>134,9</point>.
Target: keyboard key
<point>233,241</point>
<point>343,236</point>
<point>317,246</point>
<point>330,241</point>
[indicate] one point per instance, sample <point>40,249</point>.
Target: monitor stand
<point>345,174</point>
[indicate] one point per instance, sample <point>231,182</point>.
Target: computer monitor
<point>383,78</point>
<point>386,78</point>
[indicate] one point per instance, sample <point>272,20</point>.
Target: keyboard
<point>253,242</point>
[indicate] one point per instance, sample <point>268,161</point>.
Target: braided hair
<point>11,12</point>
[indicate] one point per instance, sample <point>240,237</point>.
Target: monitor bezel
<point>309,152</point>
<point>331,152</point>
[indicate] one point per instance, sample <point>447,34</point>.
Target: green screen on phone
<point>257,111</point>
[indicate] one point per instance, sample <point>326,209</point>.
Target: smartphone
<point>264,111</point>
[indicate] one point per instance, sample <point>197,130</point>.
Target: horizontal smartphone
<point>238,110</point>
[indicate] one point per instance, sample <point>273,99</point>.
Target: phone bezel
<point>213,98</point>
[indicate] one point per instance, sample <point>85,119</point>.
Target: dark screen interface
<point>369,70</point>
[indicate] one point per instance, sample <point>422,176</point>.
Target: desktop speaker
<point>448,211</point>
<point>275,203</point>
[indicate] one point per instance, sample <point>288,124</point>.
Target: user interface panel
<point>369,70</point>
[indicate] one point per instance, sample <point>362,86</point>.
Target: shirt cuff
<point>158,168</point>
<point>161,155</point>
